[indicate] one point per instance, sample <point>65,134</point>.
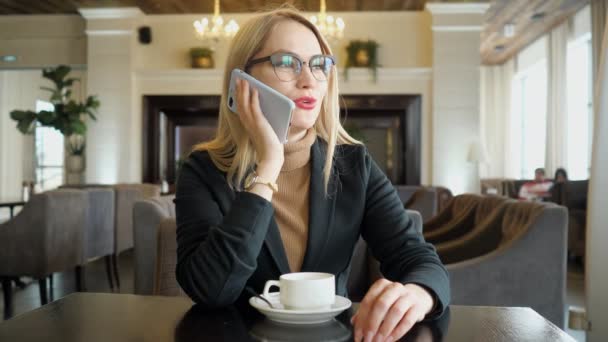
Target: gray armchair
<point>526,265</point>
<point>422,199</point>
<point>147,215</point>
<point>126,195</point>
<point>45,237</point>
<point>165,283</point>
<point>98,233</point>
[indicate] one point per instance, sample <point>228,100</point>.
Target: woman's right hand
<point>269,150</point>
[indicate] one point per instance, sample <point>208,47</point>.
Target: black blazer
<point>228,240</point>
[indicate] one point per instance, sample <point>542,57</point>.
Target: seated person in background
<point>561,176</point>
<point>538,189</point>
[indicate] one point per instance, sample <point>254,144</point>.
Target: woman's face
<point>305,90</point>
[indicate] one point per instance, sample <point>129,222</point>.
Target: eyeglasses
<point>288,66</point>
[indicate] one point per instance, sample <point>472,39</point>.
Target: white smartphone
<point>277,108</point>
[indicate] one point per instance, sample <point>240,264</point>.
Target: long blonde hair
<point>231,150</point>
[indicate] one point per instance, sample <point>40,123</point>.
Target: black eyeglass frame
<point>269,59</point>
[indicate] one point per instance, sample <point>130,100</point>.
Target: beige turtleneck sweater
<point>291,202</point>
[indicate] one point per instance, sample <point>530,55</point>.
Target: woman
<point>250,209</point>
<point>561,176</point>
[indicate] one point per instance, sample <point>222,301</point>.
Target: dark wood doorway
<point>390,126</point>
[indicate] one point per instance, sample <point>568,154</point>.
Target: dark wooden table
<point>120,317</point>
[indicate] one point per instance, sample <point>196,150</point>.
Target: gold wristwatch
<point>253,179</point>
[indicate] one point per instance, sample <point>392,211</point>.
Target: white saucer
<point>282,315</point>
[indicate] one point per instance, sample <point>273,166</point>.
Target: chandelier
<point>212,30</point>
<point>331,28</point>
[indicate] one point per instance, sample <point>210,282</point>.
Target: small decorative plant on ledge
<point>363,54</point>
<point>67,115</point>
<point>202,57</point>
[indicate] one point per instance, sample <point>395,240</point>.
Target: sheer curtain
<point>495,111</point>
<point>556,148</point>
<point>599,10</point>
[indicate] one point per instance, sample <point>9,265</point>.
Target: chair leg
<point>51,288</point>
<point>43,291</point>
<point>19,283</point>
<point>116,274</point>
<point>108,259</point>
<point>80,279</point>
<point>7,289</point>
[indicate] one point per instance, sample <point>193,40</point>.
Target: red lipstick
<point>305,102</point>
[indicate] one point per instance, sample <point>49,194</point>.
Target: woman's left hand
<point>389,310</point>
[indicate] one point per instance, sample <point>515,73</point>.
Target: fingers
<point>249,104</point>
<point>242,96</point>
<point>365,307</point>
<point>388,311</point>
<point>260,132</point>
<point>394,316</point>
<point>254,106</point>
<point>412,316</point>
<point>383,303</point>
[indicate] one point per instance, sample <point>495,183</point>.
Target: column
<point>456,88</point>
<point>111,50</point>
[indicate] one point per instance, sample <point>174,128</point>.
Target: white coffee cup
<point>305,290</point>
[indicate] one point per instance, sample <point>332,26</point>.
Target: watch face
<point>249,180</point>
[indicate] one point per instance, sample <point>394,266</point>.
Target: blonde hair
<point>231,150</point>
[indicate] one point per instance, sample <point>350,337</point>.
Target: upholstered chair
<point>126,195</point>
<point>45,237</point>
<point>147,215</point>
<point>98,233</point>
<point>165,283</point>
<point>517,258</point>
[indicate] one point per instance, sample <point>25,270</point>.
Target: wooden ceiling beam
<point>180,7</point>
<point>21,8</point>
<point>527,30</point>
<point>147,7</point>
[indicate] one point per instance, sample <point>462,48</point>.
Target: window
<point>49,153</point>
<point>579,125</point>
<point>529,119</point>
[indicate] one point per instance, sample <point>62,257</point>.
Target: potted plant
<point>67,115</point>
<point>75,160</point>
<point>201,57</point>
<point>362,54</point>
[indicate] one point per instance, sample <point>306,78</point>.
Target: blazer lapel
<point>274,243</point>
<point>321,209</point>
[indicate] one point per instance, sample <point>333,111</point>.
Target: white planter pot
<point>75,164</point>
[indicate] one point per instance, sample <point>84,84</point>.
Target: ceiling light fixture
<point>331,28</point>
<point>508,30</point>
<point>212,30</point>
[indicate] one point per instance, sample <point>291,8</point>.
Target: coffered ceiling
<point>528,20</point>
<point>509,25</point>
<point>204,6</point>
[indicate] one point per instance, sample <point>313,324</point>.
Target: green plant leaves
<point>24,119</point>
<point>46,118</point>
<point>67,114</point>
